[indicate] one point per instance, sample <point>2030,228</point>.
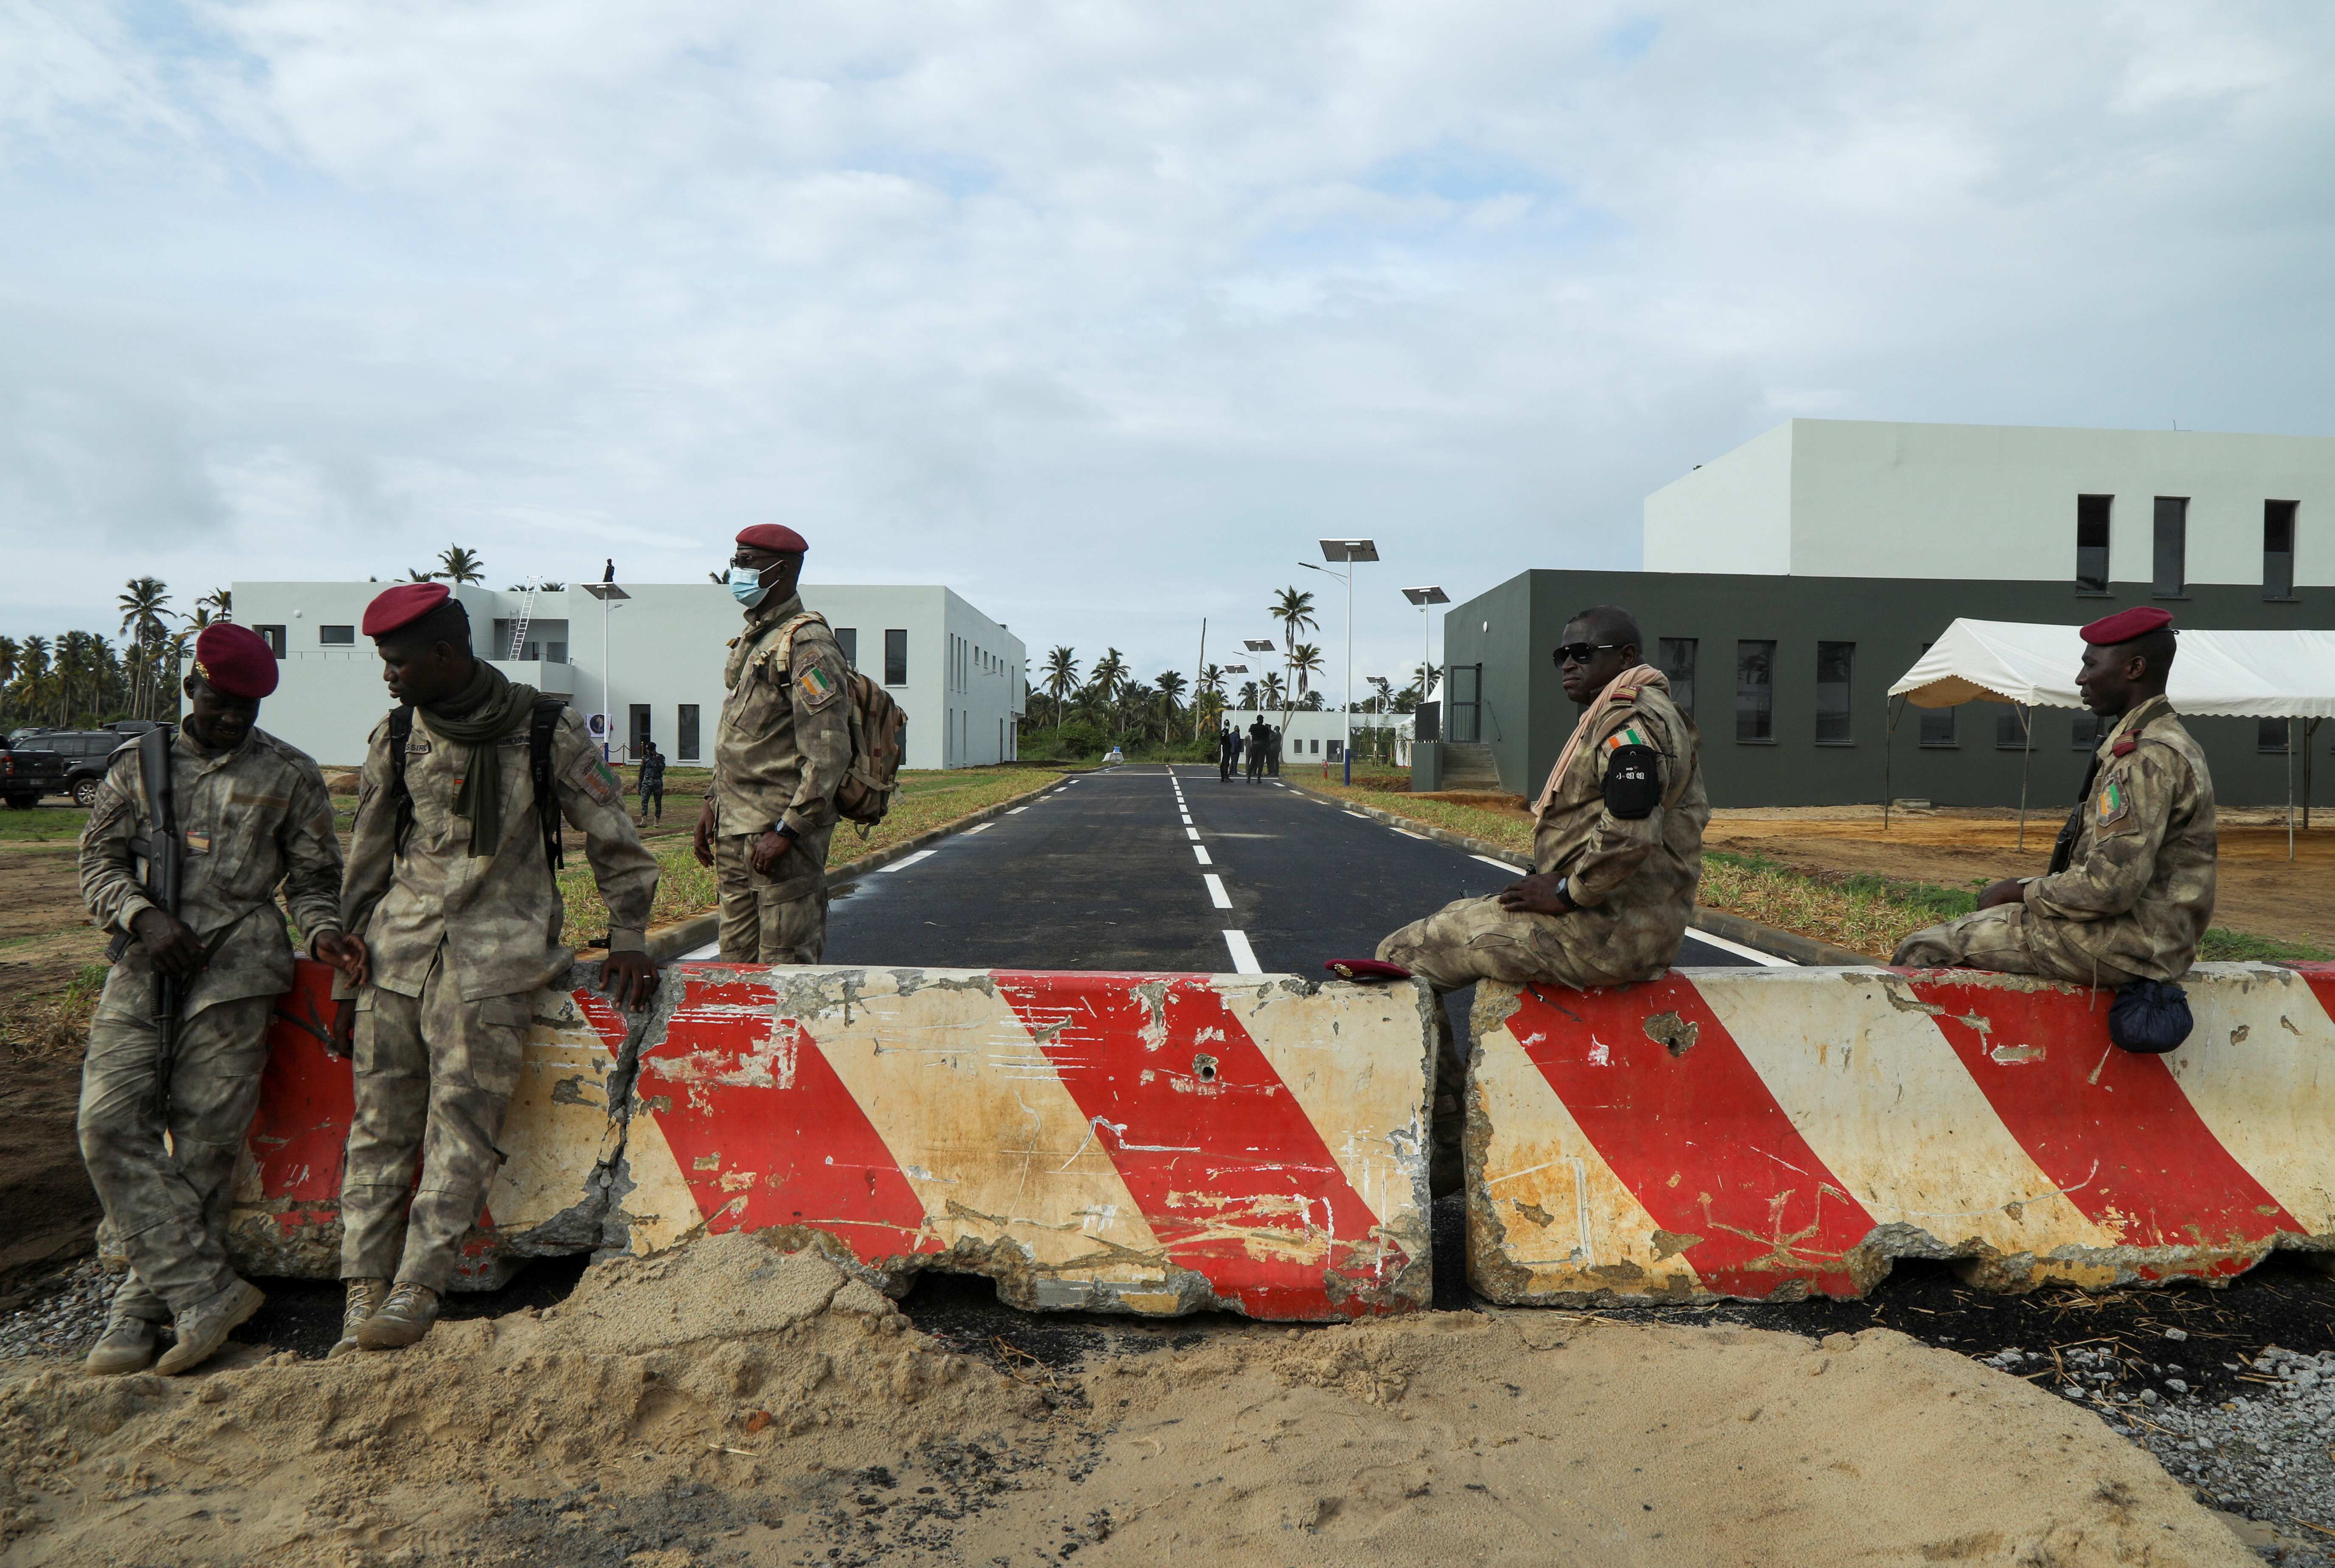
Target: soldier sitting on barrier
<point>450,884</point>
<point>1617,853</point>
<point>221,816</point>
<point>2131,885</point>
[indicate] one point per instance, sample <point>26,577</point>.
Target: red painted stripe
<point>1213,1146</point>
<point>2110,1128</point>
<point>2321,977</point>
<point>765,1133</point>
<point>299,1137</point>
<point>1697,1138</point>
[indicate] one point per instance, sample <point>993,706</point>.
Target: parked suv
<point>27,772</point>
<point>84,752</point>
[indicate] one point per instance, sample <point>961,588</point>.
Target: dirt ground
<point>730,1404</point>
<point>2257,890</point>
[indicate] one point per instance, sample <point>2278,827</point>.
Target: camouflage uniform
<point>459,945</point>
<point>2138,890</point>
<point>1634,880</point>
<point>782,751</point>
<point>251,818</point>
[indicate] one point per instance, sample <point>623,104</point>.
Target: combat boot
<point>126,1345</point>
<point>404,1318</point>
<point>365,1299</point>
<point>202,1329</point>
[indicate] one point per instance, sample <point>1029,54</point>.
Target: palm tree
<point>31,686</point>
<point>1249,695</point>
<point>1169,684</point>
<point>1304,663</point>
<point>1061,674</point>
<point>9,653</point>
<point>1208,698</point>
<point>143,604</point>
<point>219,602</point>
<point>1106,685</point>
<point>459,565</point>
<point>413,575</point>
<point>1271,689</point>
<point>1293,609</point>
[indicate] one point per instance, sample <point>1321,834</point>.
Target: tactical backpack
<point>879,736</point>
<point>541,726</point>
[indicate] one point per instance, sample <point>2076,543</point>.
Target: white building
<point>652,659</point>
<point>1320,737</point>
<point>2005,503</point>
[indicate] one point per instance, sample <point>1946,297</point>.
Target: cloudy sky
<point>1099,313</point>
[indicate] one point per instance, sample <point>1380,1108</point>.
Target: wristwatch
<point>1564,892</point>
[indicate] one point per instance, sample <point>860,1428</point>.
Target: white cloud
<point>1100,312</point>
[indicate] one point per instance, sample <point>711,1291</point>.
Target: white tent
<point>2234,675</point>
<point>2224,674</point>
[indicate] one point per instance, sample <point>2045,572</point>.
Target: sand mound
<point>726,1403</point>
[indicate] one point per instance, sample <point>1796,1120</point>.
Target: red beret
<point>773,536</point>
<point>2126,625</point>
<point>403,605</point>
<point>234,662</point>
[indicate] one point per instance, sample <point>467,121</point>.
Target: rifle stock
<point>161,886</point>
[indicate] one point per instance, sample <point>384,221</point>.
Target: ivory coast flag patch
<point>817,686</point>
<point>2112,801</point>
<point>1625,736</point>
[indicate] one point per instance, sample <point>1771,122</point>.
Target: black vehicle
<point>27,773</point>
<point>85,753</point>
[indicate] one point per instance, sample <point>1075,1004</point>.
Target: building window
<point>555,652</point>
<point>1937,726</point>
<point>2171,578</point>
<point>337,637</point>
<point>2011,733</point>
<point>275,635</point>
<point>2269,735</point>
<point>896,657</point>
<point>640,730</point>
<point>847,639</point>
<point>684,733</point>
<point>2092,543</point>
<point>2278,549</point>
<point>1755,692</point>
<point>1835,663</point>
<point>2085,731</point>
<point>1674,656</point>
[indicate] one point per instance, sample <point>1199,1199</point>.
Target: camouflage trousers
<point>435,1074</point>
<point>781,918</point>
<point>167,1206</point>
<point>2008,939</point>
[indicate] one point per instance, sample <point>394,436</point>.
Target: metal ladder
<point>526,614</point>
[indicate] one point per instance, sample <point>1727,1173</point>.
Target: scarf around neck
<point>482,713</point>
<point>1635,675</point>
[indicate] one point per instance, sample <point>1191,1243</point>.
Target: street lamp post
<point>1423,597</point>
<point>1350,552</point>
<point>606,592</point>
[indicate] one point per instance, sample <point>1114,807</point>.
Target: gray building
<point>1785,670</point>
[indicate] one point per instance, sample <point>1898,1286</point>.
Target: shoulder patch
<point>818,687</point>
<point>2112,801</point>
<point>592,777</point>
<point>1627,735</point>
<point>2125,745</point>
<point>1623,694</point>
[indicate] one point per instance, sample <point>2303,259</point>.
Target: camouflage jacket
<point>497,917</point>
<point>2140,889</point>
<point>784,745</point>
<point>1636,878</point>
<point>250,819</point>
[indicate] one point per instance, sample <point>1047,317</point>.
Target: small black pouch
<point>2149,1016</point>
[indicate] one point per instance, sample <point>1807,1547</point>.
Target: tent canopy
<point>2234,674</point>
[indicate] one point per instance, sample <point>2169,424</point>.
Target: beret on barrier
<point>2126,625</point>
<point>403,605</point>
<point>773,536</point>
<point>235,661</point>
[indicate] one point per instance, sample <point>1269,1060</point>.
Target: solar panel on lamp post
<point>1423,597</point>
<point>1350,552</point>
<point>606,592</point>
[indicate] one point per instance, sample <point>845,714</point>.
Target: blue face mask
<point>746,586</point>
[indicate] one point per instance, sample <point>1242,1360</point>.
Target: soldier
<point>784,749</point>
<point>652,781</point>
<point>1260,748</point>
<point>250,812</point>
<point>1617,854</point>
<point>449,883</point>
<point>1228,751</point>
<point>2131,885</point>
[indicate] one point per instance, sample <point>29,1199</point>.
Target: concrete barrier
<point>1777,1133</point>
<point>1144,1143</point>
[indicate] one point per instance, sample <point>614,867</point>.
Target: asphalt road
<point>1134,869</point>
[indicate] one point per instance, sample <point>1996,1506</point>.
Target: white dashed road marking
<point>1407,833</point>
<point>902,865</point>
<point>1216,894</point>
<point>1737,948</point>
<point>983,828</point>
<point>1244,955</point>
<point>1501,863</point>
<point>1192,832</point>
<point>1201,855</point>
<point>1017,811</point>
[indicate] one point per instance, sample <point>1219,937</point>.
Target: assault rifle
<point>162,852</point>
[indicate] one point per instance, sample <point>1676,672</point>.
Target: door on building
<point>640,730</point>
<point>1464,707</point>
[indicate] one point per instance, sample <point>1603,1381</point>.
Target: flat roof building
<point>652,659</point>
<point>1787,583</point>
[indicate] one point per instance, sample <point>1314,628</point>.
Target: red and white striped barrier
<point>1777,1133</point>
<point>1145,1143</point>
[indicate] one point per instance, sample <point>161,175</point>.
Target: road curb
<point>667,942</point>
<point>1803,950</point>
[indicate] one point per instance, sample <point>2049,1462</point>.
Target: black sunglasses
<point>1578,652</point>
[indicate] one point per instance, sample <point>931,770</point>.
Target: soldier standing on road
<point>1617,853</point>
<point>2131,885</point>
<point>251,813</point>
<point>651,780</point>
<point>1260,748</point>
<point>450,883</point>
<point>784,749</point>
<point>1228,751</point>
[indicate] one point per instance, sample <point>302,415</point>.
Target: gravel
<point>63,1323</point>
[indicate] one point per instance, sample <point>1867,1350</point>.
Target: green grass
<point>2225,946</point>
<point>44,824</point>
